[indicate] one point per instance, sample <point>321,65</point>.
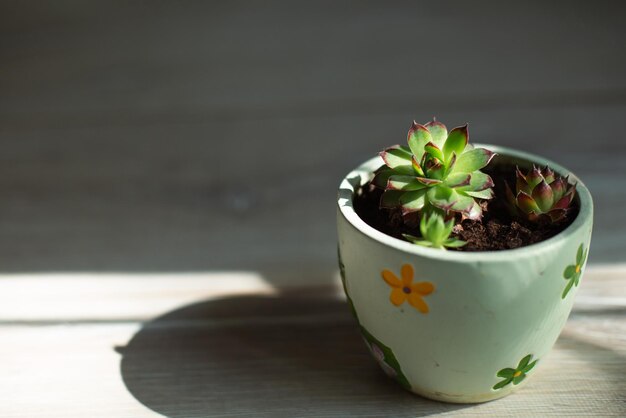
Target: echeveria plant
<point>435,233</point>
<point>437,172</point>
<point>540,195</point>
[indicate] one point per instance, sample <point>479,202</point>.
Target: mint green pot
<point>460,326</point>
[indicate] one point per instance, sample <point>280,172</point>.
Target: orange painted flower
<point>405,289</point>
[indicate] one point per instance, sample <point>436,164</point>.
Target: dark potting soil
<point>497,230</point>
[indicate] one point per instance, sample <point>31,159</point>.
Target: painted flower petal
<point>397,296</point>
<point>579,255</point>
<point>524,362</point>
<point>423,288</point>
<point>399,159</point>
<point>456,142</point>
<point>529,367</point>
<point>508,372</point>
<point>473,160</point>
<point>417,138</point>
<point>576,278</point>
<point>569,285</point>
<point>518,379</point>
<point>391,279</point>
<point>502,384</point>
<point>405,183</point>
<point>569,271</point>
<point>407,274</point>
<point>417,302</point>
<point>438,131</point>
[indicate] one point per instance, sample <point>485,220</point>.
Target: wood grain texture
<point>232,345</point>
<point>167,182</point>
<point>212,136</point>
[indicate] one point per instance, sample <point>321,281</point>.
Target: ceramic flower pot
<point>460,326</point>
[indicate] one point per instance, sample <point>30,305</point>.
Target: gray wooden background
<point>204,136</point>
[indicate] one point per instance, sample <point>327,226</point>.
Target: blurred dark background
<point>193,136</point>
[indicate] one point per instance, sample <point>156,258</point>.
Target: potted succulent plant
<point>460,263</point>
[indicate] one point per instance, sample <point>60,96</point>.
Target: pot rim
<point>346,208</point>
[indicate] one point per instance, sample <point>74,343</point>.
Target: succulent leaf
<point>526,203</point>
<point>458,180</point>
<point>481,194</point>
<point>432,149</point>
<point>456,142</point>
<point>435,232</point>
<point>540,195</point>
<point>476,212</point>
<point>416,166</point>
<point>463,203</point>
<point>406,183</point>
<point>398,158</point>
<point>437,172</point>
<point>473,160</point>
<point>478,181</point>
<point>438,131</point>
<point>441,197</point>
<point>418,137</point>
<point>413,201</point>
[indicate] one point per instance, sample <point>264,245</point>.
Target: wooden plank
<point>211,196</point>
<point>290,352</point>
<point>67,58</point>
<point>45,299</point>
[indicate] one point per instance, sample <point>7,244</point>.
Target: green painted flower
<point>572,272</point>
<point>382,353</point>
<point>517,374</point>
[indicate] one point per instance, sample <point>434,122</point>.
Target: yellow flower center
<point>577,269</point>
<point>517,373</point>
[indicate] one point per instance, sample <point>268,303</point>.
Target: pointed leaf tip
<point>417,137</point>
<point>438,131</point>
<point>543,196</point>
<point>456,142</point>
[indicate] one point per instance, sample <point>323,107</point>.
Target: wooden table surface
<point>167,181</point>
<point>234,345</point>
